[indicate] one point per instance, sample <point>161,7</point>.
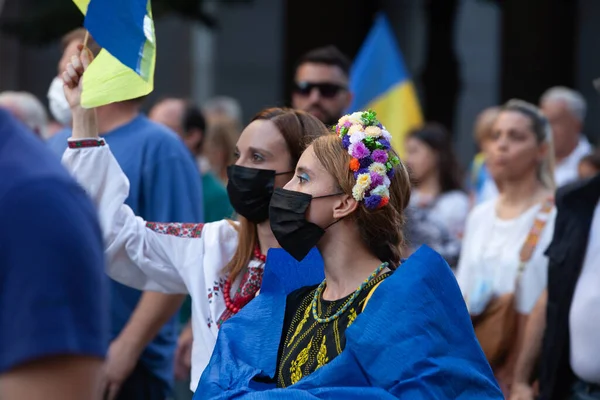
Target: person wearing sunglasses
<point>321,84</point>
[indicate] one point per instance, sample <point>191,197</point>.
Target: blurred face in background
<point>321,90</point>
<point>512,148</point>
<point>420,159</point>
<point>566,127</point>
<point>169,112</point>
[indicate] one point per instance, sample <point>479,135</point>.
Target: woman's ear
<point>345,206</point>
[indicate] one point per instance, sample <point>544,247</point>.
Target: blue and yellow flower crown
<point>373,161</point>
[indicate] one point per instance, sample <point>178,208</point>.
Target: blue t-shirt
<point>53,290</point>
<point>165,186</point>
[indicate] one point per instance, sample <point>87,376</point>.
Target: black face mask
<point>287,214</point>
<point>250,191</point>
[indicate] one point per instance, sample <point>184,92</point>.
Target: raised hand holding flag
<point>124,69</point>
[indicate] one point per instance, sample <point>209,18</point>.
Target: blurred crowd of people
<point>489,222</point>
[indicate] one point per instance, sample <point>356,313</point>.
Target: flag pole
<point>85,39</point>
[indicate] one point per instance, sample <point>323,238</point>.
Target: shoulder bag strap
<point>533,236</point>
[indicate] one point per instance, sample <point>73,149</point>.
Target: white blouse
<point>490,253</point>
<point>168,258</point>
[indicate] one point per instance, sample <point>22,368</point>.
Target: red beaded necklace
<point>236,306</point>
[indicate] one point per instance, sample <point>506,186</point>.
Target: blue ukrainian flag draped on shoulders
<point>414,341</point>
<point>380,81</point>
<point>124,69</point>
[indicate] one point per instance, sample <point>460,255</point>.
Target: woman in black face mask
<point>374,328</point>
<point>219,264</point>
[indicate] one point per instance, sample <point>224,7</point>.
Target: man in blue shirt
<point>164,187</point>
<point>54,317</point>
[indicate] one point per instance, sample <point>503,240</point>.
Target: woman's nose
<point>291,185</point>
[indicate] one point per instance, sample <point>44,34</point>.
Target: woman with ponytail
<point>505,238</point>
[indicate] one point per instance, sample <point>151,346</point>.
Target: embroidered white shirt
<point>167,258</point>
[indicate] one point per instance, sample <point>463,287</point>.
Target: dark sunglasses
<point>327,90</point>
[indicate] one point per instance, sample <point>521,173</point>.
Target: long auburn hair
<point>381,230</point>
<point>299,129</point>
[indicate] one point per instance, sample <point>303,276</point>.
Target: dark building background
<point>464,55</point>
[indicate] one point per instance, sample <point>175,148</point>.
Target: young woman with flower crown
<point>375,328</point>
<point>219,264</point>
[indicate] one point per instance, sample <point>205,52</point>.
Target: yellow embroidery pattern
<point>322,358</point>
<point>336,336</point>
<point>296,366</point>
<point>300,325</point>
<point>309,345</point>
<point>351,317</point>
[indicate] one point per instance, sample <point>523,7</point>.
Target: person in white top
<point>520,155</point>
<point>565,109</point>
<point>438,206</point>
<point>208,261</point>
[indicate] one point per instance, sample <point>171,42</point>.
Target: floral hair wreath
<point>373,161</point>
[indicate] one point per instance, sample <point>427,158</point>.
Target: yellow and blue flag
<point>124,69</point>
<point>380,82</point>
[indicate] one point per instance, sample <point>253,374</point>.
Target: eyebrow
<point>263,151</point>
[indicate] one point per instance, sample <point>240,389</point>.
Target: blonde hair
<point>223,134</point>
<point>484,123</point>
<point>543,134</point>
<point>382,229</point>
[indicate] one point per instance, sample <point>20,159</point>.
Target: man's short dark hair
<point>329,55</point>
<point>193,118</point>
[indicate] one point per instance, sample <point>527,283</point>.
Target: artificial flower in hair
<point>363,181</point>
<point>376,179</point>
<point>373,131</point>
<point>355,129</point>
<point>378,168</point>
<point>373,162</point>
<point>358,193</point>
<point>380,156</point>
<point>357,137</point>
<point>355,118</point>
<point>359,150</point>
<point>381,190</point>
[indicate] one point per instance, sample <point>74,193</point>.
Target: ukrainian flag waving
<point>124,69</point>
<point>380,82</point>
